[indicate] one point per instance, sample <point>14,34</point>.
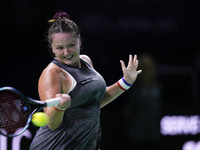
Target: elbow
<point>53,126</point>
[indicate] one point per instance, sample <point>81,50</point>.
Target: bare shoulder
<point>54,73</point>
<point>51,70</point>
<point>87,59</point>
<point>53,78</point>
<point>49,82</point>
<point>50,76</point>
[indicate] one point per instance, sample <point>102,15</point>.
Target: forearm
<point>112,92</point>
<point>55,117</point>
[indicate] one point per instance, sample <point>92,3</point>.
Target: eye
<point>59,48</point>
<point>71,45</point>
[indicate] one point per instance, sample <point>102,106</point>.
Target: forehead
<point>60,38</point>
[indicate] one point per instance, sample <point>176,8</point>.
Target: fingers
<point>122,65</point>
<point>58,95</point>
<point>63,96</point>
<point>130,62</point>
<point>136,64</point>
<point>65,100</point>
<point>139,71</point>
<point>133,61</point>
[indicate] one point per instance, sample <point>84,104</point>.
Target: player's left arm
<point>130,74</point>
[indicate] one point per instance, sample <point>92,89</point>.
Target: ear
<point>53,51</point>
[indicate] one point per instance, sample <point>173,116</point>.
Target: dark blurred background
<point>166,30</point>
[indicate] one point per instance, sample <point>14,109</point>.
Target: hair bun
<point>61,14</point>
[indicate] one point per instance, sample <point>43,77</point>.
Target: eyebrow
<point>58,45</point>
<point>72,42</point>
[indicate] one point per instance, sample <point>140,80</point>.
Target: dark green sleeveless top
<point>80,128</point>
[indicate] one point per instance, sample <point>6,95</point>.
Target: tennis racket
<point>16,110</point>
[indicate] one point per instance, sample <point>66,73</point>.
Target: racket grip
<point>53,101</point>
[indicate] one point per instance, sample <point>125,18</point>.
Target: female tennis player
<point>74,124</point>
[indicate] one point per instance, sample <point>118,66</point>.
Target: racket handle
<point>53,101</point>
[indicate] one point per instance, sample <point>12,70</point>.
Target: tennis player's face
<point>66,47</point>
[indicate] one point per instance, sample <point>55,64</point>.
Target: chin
<point>71,63</point>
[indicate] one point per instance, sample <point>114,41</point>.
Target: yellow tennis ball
<point>40,119</point>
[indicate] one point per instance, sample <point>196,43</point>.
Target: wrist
<point>59,109</point>
<point>123,84</point>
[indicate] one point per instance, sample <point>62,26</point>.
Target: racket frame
<point>36,103</point>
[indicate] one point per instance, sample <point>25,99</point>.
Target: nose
<point>66,51</point>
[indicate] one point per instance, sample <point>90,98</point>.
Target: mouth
<point>69,57</point>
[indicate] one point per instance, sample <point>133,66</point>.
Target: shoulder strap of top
<point>87,64</point>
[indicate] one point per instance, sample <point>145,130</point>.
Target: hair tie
<point>60,14</point>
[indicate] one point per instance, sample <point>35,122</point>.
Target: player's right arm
<point>52,82</point>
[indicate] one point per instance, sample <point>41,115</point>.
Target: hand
<point>130,72</point>
<point>65,101</point>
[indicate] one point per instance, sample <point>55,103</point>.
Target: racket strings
<point>13,114</point>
